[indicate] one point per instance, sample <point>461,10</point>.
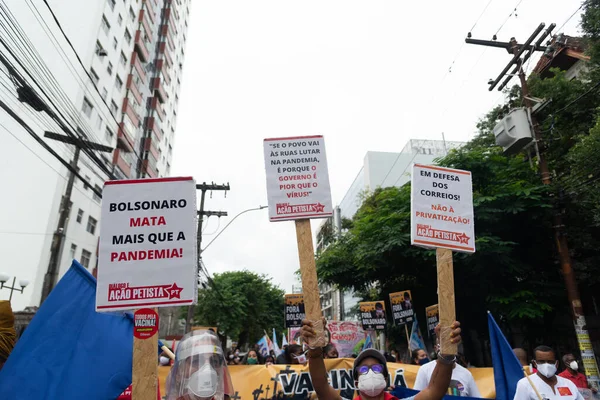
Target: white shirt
<point>462,382</point>
<point>565,389</point>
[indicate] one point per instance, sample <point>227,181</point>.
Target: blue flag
<point>507,368</point>
<point>68,351</point>
<point>368,342</point>
<point>402,392</point>
<point>416,339</point>
<point>263,346</point>
<point>275,344</point>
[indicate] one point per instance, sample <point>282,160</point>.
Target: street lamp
<point>233,219</point>
<point>22,282</point>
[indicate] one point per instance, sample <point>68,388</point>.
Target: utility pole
<point>65,209</point>
<point>583,339</point>
<point>204,187</point>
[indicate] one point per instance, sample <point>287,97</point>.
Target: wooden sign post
<point>147,258</point>
<point>442,218</point>
<point>298,189</point>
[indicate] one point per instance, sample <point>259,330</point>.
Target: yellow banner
<point>257,382</point>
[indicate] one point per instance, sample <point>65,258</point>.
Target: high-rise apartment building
<point>119,88</point>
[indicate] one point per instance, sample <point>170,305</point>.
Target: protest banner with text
<point>147,252</point>
<point>433,318</point>
<point>402,307</point>
<point>372,314</point>
<point>294,310</point>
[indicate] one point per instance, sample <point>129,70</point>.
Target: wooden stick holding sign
<point>442,218</point>
<point>298,189</point>
<point>147,258</point>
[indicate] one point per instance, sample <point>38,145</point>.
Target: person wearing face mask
<point>572,373</point>
<point>200,370</point>
<point>371,376</point>
<point>251,358</point>
<point>546,382</point>
<point>419,357</point>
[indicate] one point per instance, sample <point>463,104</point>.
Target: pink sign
<point>345,335</point>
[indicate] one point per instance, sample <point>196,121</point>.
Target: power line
<point>514,11</point>
<point>572,15</point>
<point>480,15</point>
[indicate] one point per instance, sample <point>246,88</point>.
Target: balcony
<point>168,16</point>
<point>147,168</point>
<point>130,112</point>
<point>134,89</point>
<point>166,32</point>
<point>145,23</point>
<point>162,49</point>
<point>151,12</point>
<point>121,163</point>
<point>152,125</point>
<point>135,61</point>
<point>163,69</point>
<point>160,90</point>
<point>124,140</point>
<point>140,46</point>
<point>149,146</point>
<point>155,105</point>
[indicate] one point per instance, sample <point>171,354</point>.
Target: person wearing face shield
<point>545,381</point>
<point>200,369</point>
<point>371,376</point>
<point>572,373</point>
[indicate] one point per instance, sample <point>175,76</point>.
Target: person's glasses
<point>377,368</point>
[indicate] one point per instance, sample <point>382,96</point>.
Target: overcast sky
<point>367,75</point>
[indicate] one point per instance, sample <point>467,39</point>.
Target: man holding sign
<point>371,376</point>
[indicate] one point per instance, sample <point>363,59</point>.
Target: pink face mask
<point>301,358</point>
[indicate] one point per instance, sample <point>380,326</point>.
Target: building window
<point>95,77</point>
<point>99,122</point>
<point>104,93</point>
<point>87,107</point>
<point>79,216</point>
<point>86,256</point>
<point>99,47</point>
<point>115,43</point>
<point>118,83</point>
<point>123,59</point>
<point>111,4</point>
<point>114,108</point>
<point>108,133</point>
<point>109,68</point>
<point>120,20</point>
<point>73,250</point>
<point>131,14</point>
<point>95,196</point>
<point>127,36</point>
<point>85,184</point>
<point>91,225</point>
<point>105,25</point>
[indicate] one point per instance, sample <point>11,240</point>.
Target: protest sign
<point>433,318</point>
<point>372,314</point>
<point>402,307</point>
<point>297,178</point>
<point>442,208</point>
<point>345,335</point>
<point>298,189</point>
<point>294,381</point>
<point>147,255</point>
<point>294,310</point>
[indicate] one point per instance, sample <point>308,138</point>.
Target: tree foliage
<point>242,304</point>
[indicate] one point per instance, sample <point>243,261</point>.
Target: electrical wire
<point>514,11</point>
<point>572,15</point>
<point>480,15</point>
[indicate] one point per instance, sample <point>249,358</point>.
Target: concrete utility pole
<point>204,187</point>
<point>587,352</point>
<point>65,209</point>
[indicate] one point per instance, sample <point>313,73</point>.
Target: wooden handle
<point>145,368</point>
<point>447,310</point>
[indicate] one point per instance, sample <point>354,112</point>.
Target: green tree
<point>242,304</point>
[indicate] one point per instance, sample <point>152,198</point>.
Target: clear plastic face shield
<point>200,370</point>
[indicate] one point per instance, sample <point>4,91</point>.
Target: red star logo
<point>463,238</point>
<point>174,291</point>
<point>319,207</point>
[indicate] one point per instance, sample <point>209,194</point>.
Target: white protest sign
<point>297,178</point>
<point>147,254</point>
<point>442,208</point>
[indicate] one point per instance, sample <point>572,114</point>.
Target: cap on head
<point>369,353</point>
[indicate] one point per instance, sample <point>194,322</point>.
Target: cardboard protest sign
<point>294,310</point>
<point>433,318</point>
<point>345,335</point>
<point>442,208</point>
<point>297,178</point>
<point>402,307</point>
<point>372,314</point>
<point>147,252</point>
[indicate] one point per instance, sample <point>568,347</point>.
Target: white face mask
<point>574,366</point>
<point>548,370</point>
<point>164,360</point>
<point>204,382</point>
<point>301,358</point>
<point>371,384</point>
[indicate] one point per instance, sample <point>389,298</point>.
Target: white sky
<point>367,75</point>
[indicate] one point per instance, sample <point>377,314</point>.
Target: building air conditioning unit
<point>514,132</point>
